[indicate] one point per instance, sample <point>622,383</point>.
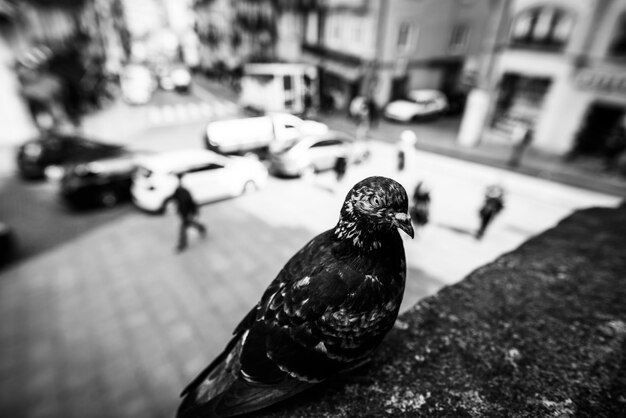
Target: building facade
<point>383,48</point>
<point>560,68</point>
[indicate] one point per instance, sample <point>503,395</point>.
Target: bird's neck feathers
<point>364,236</point>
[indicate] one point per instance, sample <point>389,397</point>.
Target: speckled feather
<point>326,311</point>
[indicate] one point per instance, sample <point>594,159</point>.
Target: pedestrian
<point>613,147</point>
<point>406,149</point>
<point>373,112</point>
<point>492,206</point>
<point>522,136</point>
<point>340,167</point>
<point>421,204</point>
<point>187,209</point>
<point>362,120</point>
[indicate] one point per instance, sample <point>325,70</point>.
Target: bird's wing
<point>306,322</point>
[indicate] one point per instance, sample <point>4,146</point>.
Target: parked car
<point>315,153</point>
<point>100,182</point>
<point>174,77</point>
<point>208,176</point>
<point>137,84</point>
<point>8,243</point>
<point>52,149</point>
<point>418,105</point>
<point>240,136</point>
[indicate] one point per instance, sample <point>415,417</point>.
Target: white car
<point>137,84</point>
<point>208,176</point>
<point>419,104</point>
<point>175,77</point>
<point>316,153</point>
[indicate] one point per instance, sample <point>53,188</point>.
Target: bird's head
<point>374,204</point>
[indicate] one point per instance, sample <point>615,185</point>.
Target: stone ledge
<point>540,332</point>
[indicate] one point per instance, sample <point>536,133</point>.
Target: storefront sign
<point>601,81</point>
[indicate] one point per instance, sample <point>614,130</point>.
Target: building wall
<point>17,124</point>
<point>566,102</point>
<point>289,45</point>
<point>216,15</point>
<point>428,54</point>
<point>352,33</point>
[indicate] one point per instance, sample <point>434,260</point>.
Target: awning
<point>347,72</point>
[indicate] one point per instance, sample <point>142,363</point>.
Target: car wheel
<point>109,198</point>
<point>31,174</point>
<point>248,187</point>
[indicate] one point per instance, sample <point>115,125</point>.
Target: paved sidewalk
<point>439,137</point>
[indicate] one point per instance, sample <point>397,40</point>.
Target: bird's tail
<point>241,397</point>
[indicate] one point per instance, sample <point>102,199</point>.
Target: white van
<point>280,87</point>
<point>238,136</point>
<point>137,84</point>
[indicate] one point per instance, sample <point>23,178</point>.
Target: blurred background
<point>104,101</point>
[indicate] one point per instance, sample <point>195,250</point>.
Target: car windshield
<point>143,172</point>
<point>284,148</point>
<point>422,97</point>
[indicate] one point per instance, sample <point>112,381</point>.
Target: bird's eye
<point>375,201</point>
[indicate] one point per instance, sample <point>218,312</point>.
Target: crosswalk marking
<point>186,112</point>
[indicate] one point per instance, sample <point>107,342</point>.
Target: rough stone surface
<point>540,332</point>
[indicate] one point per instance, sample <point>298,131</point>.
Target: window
<point>458,40</point>
<point>312,29</point>
<point>326,143</point>
<point>357,32</point>
<point>207,167</point>
<point>618,45</point>
<point>404,35</point>
<point>545,27</point>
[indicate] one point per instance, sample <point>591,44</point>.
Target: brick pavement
<point>114,323</point>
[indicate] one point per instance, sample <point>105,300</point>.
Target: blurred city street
<point>103,317</point>
<point>108,321</point>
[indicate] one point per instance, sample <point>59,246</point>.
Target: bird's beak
<point>403,221</point>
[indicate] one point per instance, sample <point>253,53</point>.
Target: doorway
<point>601,120</point>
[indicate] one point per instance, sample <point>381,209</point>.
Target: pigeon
<point>325,313</point>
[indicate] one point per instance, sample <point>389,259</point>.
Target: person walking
<point>340,167</point>
<point>187,209</point>
<point>522,137</point>
<point>362,121</point>
<point>614,146</point>
<point>492,206</point>
<point>406,149</point>
<point>421,204</point>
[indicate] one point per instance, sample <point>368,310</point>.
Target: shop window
<point>458,40</point>
<point>543,28</point>
<point>618,45</point>
<point>520,99</point>
<point>404,35</point>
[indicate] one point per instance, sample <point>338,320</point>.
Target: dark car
<point>100,182</point>
<point>53,149</point>
<point>7,243</point>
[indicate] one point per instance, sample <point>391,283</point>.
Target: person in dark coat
<point>340,168</point>
<point>187,209</point>
<point>492,206</point>
<point>615,145</point>
<point>421,204</point>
